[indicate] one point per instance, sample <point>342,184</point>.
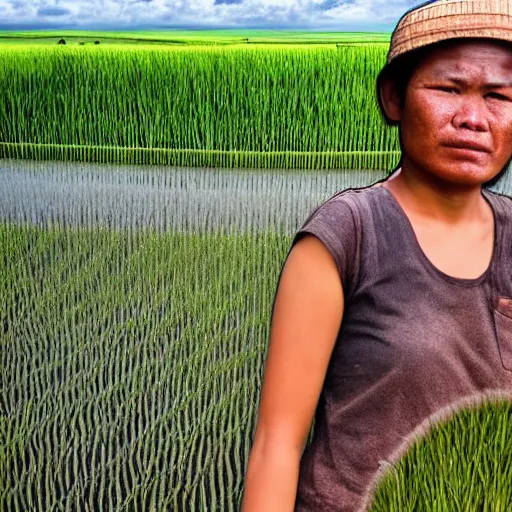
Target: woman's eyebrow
<point>499,85</point>
<point>461,81</point>
<point>490,85</point>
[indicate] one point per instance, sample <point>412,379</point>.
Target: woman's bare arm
<point>307,315</point>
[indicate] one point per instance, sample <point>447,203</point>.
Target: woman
<point>395,300</point>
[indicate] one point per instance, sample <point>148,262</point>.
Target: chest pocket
<point>503,322</point>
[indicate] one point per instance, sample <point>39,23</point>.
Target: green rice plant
<point>285,107</point>
<point>291,160</point>
<point>128,360</point>
<point>460,459</point>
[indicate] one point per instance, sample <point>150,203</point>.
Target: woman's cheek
<point>423,124</point>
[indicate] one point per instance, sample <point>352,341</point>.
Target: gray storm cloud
<point>52,11</point>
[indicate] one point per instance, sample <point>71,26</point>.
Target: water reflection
<point>165,198</point>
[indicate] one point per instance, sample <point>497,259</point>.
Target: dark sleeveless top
<point>412,341</point>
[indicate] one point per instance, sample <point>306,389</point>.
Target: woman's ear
<point>390,99</point>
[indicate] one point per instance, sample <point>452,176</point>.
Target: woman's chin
<point>467,174</point>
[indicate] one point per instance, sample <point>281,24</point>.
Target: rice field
<point>148,199</point>
<point>212,106</point>
<point>226,37</point>
<point>119,390</point>
<point>132,349</point>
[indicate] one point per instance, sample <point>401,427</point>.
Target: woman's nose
<point>472,114</point>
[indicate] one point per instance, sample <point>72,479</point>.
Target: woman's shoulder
<point>344,215</point>
<point>338,223</point>
<point>502,203</point>
<point>348,201</point>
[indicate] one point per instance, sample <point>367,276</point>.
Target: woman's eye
<point>498,96</point>
<point>491,94</point>
<point>447,89</point>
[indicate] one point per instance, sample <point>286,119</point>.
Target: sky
<point>332,15</point>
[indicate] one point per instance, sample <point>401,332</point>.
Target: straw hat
<point>436,21</point>
<point>439,20</point>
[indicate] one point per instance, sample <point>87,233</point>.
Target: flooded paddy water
<point>167,198</point>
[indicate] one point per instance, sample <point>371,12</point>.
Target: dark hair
<point>400,71</point>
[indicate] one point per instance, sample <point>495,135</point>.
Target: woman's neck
<point>429,198</point>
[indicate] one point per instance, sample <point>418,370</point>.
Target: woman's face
<point>459,95</point>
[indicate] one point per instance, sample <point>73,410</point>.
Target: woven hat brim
<point>451,19</point>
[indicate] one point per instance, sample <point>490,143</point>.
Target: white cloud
<point>332,14</point>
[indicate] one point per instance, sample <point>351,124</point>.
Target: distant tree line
<point>63,41</point>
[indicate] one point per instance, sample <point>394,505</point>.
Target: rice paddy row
<point>271,107</point>
<point>166,198</point>
<point>130,366</point>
